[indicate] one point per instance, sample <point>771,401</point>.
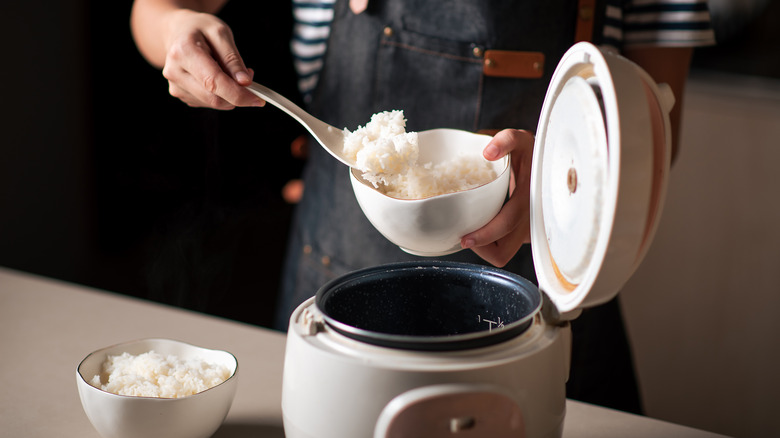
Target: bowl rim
<point>86,382</point>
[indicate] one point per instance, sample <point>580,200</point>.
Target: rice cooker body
<point>335,386</point>
<point>604,125</point>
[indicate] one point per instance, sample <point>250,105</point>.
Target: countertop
<point>48,327</point>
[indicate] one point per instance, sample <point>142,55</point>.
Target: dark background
<point>748,34</point>
<point>107,181</point>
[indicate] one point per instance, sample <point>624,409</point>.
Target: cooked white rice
<point>387,155</point>
<point>154,375</point>
<point>383,145</point>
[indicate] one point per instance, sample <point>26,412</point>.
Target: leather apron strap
<point>586,12</point>
<point>530,65</point>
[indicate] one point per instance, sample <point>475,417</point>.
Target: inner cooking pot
<point>429,305</point>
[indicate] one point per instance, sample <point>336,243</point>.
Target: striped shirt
<point>660,23</point>
<point>311,28</point>
<point>628,23</point>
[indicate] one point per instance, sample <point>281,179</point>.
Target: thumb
<point>234,65</point>
<point>226,53</point>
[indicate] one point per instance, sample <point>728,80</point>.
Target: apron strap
<point>585,16</point>
<point>513,64</point>
<point>530,65</point>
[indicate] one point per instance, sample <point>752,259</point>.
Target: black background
<point>107,181</point>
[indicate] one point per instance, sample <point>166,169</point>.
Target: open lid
<point>599,175</point>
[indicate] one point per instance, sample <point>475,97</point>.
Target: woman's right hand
<point>202,63</point>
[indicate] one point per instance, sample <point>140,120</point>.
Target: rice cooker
<point>440,349</point>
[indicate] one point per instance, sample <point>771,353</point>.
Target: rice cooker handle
<point>553,316</point>
<point>420,411</point>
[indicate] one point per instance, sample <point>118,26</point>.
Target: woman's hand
<point>499,240</point>
<point>203,66</point>
<point>195,50</point>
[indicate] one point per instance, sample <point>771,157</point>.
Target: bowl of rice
<point>424,190</point>
<point>157,388</point>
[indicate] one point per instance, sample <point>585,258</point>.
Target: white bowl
<point>434,226</point>
<point>120,416</point>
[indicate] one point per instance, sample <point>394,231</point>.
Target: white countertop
<point>48,326</point>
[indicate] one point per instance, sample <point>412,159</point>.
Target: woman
<point>436,60</point>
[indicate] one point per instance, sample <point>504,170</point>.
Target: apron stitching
<point>432,53</point>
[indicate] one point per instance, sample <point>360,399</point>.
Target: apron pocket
<point>411,72</point>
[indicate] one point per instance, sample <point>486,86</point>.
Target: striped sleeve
<point>311,29</point>
<point>613,26</point>
<point>671,23</point>
<point>664,23</point>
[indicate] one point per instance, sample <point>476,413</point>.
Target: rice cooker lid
<point>599,175</point>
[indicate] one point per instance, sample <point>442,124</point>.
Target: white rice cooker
<point>435,349</point>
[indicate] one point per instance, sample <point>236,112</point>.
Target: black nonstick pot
<point>429,305</point>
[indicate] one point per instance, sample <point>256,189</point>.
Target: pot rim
<point>463,341</point>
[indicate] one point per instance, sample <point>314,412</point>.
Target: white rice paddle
<point>330,137</point>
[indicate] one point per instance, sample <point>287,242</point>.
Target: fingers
<point>203,67</point>
<point>517,141</point>
<point>498,241</point>
<point>498,253</point>
<point>226,53</point>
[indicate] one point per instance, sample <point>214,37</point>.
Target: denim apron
<point>428,58</point>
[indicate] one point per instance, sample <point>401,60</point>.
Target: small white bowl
<point>434,226</point>
<point>120,416</point>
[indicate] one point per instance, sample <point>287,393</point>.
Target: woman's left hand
<point>499,240</point>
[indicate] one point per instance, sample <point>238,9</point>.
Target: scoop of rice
<point>154,375</point>
<point>383,145</point>
<point>387,155</point>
